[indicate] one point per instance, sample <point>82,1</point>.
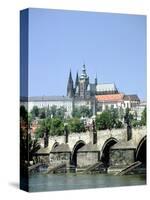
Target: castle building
<point>96,96</point>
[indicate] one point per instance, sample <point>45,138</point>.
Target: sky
<point>113,46</point>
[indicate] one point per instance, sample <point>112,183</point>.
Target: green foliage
<point>35,111</point>
<point>76,126</point>
<point>33,147</point>
<point>136,123</point>
<point>53,126</point>
<point>57,127</point>
<point>108,119</point>
<point>144,117</point>
<point>60,112</point>
<point>53,110</point>
<point>82,111</point>
<point>118,124</point>
<point>28,146</point>
<point>42,113</point>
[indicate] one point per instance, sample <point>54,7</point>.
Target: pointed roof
<point>70,77</point>
<point>83,74</point>
<point>77,80</point>
<point>70,80</point>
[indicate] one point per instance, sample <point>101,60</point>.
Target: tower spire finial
<point>96,79</point>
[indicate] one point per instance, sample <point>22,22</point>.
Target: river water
<point>53,182</point>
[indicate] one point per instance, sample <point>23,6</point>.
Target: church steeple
<point>77,80</point>
<point>84,74</point>
<point>83,83</point>
<point>70,90</point>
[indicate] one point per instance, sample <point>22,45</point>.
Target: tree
<point>108,119</point>
<point>44,125</point>
<point>42,113</point>
<point>28,146</point>
<point>76,113</point>
<point>76,126</point>
<point>57,127</point>
<point>33,147</point>
<point>82,111</point>
<point>35,111</point>
<point>104,121</point>
<point>60,112</point>
<point>53,110</point>
<point>144,117</point>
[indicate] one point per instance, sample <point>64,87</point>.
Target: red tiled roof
<point>110,97</point>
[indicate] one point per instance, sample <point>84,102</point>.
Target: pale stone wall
<point>44,104</point>
<point>85,159</point>
<point>76,137</point>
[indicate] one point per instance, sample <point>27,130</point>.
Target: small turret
<point>96,79</point>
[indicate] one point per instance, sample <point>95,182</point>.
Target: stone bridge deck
<point>103,136</point>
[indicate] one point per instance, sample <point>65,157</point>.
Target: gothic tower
<point>76,89</point>
<point>83,83</point>
<point>70,89</point>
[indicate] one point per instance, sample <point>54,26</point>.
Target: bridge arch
<point>76,147</point>
<point>141,151</point>
<point>105,151</point>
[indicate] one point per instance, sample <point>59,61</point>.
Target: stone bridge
<point>109,142</point>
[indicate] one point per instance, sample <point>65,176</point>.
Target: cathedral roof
<point>106,87</point>
<point>132,97</point>
<point>110,97</point>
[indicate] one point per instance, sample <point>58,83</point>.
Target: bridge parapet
<point>102,136</point>
<point>138,134</point>
<point>75,137</point>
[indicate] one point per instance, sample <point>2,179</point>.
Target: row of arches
<point>140,154</point>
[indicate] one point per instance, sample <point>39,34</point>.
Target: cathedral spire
<point>77,80</point>
<point>70,90</point>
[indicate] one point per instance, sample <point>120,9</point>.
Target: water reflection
<point>53,182</point>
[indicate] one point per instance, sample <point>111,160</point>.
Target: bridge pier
<point>122,155</point>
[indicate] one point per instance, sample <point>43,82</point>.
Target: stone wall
<point>121,157</point>
<point>60,158</point>
<point>85,159</point>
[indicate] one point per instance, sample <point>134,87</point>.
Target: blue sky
<point>113,46</point>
